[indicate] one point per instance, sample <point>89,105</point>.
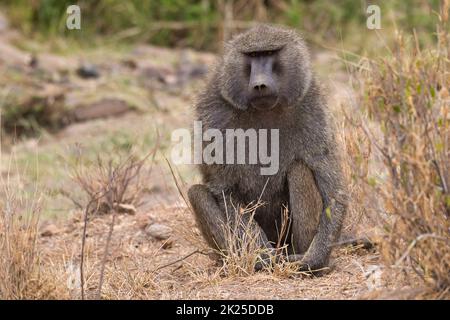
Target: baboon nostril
<point>260,87</point>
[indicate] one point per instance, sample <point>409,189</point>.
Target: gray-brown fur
<point>309,179</point>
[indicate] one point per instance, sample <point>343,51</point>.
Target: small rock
<point>87,71</point>
<point>126,208</point>
<point>100,109</point>
<point>49,230</point>
<point>159,231</point>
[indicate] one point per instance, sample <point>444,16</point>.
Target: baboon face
<point>265,68</point>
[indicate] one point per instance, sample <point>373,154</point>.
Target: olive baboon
<point>264,80</point>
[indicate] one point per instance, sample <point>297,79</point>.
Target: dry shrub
<point>110,185</point>
<point>359,222</point>
<point>407,97</point>
<point>19,257</point>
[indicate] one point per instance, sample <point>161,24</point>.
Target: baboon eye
<point>247,69</point>
<point>261,53</point>
<point>276,67</point>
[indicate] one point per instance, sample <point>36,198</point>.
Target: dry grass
<point>133,269</point>
<point>243,251</point>
<point>407,102</point>
<point>24,270</point>
<point>19,257</point>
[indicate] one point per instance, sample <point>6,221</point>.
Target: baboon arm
<point>330,182</point>
<point>305,206</point>
<point>208,216</point>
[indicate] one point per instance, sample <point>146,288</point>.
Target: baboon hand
<point>309,263</point>
<point>264,262</point>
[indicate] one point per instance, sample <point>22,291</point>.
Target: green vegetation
<point>200,24</point>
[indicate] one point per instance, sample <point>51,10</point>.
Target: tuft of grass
<point>19,257</point>
<point>243,250</point>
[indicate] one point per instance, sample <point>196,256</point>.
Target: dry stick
<point>83,243</point>
<point>177,184</point>
<point>178,260</point>
<point>414,242</point>
<point>105,254</point>
<point>285,225</point>
<point>110,198</point>
<point>258,203</point>
<point>67,195</point>
<point>435,160</point>
<point>364,242</point>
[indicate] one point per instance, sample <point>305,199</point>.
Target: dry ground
<point>132,268</point>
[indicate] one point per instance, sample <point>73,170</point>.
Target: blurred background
<point>204,24</point>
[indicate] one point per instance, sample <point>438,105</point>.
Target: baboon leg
<point>305,206</point>
<point>213,220</point>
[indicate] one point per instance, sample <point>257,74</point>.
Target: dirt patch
<point>139,265</point>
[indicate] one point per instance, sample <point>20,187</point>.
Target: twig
<point>414,242</point>
<point>83,243</point>
<point>365,242</point>
<point>285,226</point>
<point>105,254</point>
<point>178,260</point>
<point>177,184</point>
<point>74,201</point>
<point>441,176</point>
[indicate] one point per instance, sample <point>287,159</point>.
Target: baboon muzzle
<point>263,91</point>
